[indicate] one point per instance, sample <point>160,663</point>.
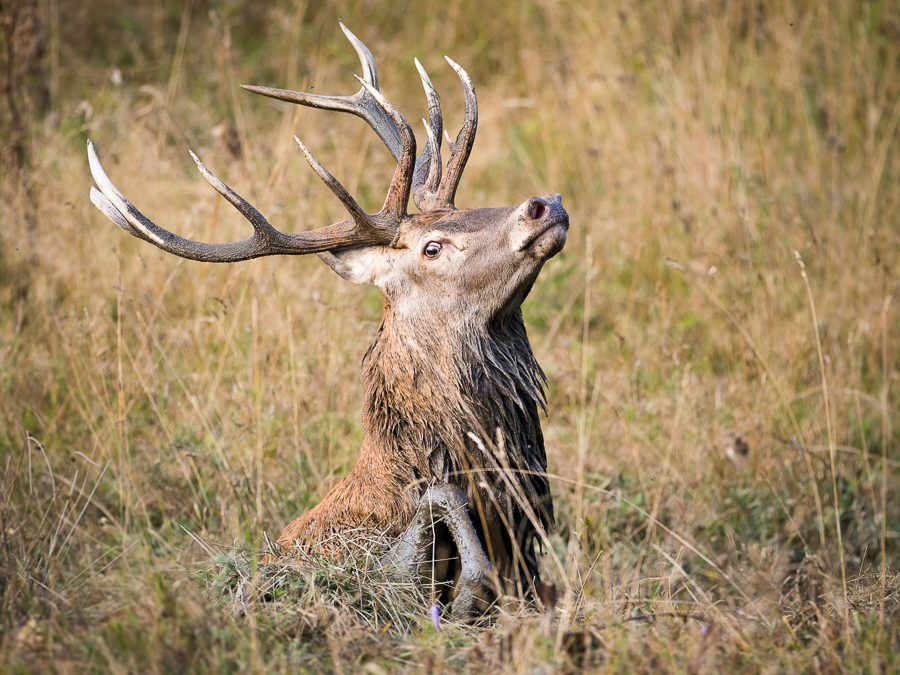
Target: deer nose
<point>537,208</point>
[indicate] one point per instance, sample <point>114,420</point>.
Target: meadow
<point>720,335</point>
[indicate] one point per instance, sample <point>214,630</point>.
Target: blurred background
<point>723,420</point>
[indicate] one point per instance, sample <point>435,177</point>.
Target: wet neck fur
<point>444,400</point>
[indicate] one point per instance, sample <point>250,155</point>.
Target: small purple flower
<point>703,630</point>
<point>436,617</point>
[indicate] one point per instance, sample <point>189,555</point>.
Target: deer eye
<point>432,250</point>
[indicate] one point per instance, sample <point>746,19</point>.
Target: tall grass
<point>722,435</point>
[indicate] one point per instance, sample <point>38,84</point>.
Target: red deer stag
<point>452,462</point>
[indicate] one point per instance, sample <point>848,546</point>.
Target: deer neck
<point>441,397</point>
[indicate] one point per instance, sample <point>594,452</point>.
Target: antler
<point>362,229</point>
<point>429,189</point>
<point>420,178</point>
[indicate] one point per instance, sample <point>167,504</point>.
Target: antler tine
<point>361,104</point>
<point>260,224</point>
<point>464,141</point>
<point>266,240</point>
<point>367,230</point>
<point>370,73</point>
<point>361,218</point>
<point>428,167</point>
<point>401,185</point>
<point>110,211</point>
<point>426,194</point>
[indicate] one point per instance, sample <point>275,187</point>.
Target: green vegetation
<point>739,417</point>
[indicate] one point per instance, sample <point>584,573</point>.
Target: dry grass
<point>736,415</point>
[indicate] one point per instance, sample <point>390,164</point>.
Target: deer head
<point>430,263</point>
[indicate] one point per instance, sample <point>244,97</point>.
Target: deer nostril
<point>538,209</point>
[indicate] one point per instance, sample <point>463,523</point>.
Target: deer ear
<point>360,265</point>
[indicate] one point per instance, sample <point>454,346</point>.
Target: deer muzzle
<point>541,215</point>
